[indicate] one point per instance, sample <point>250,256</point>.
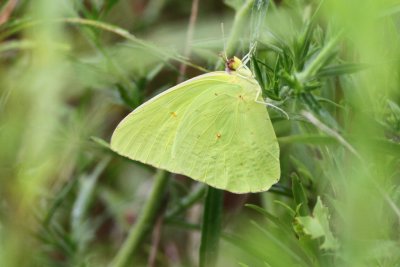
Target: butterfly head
<point>235,64</point>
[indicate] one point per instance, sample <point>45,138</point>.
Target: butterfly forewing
<point>148,132</point>
<point>209,128</point>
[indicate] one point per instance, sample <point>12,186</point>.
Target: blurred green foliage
<point>70,70</point>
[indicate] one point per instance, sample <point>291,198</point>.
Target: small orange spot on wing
<point>218,135</point>
<point>173,114</point>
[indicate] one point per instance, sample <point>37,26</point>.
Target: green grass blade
<point>211,228</point>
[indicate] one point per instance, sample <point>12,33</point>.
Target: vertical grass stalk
<point>211,227</point>
<point>144,223</point>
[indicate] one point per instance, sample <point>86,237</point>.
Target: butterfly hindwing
<point>226,140</point>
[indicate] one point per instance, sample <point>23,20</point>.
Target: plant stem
<point>187,201</point>
<point>163,55</point>
<point>144,223</point>
<point>211,228</point>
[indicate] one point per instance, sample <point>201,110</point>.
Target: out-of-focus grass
<point>68,201</point>
<point>32,87</point>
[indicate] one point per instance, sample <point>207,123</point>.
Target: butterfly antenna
<point>224,41</point>
<point>247,57</point>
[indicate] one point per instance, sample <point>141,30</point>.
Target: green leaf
<point>283,225</point>
<point>257,72</point>
<point>317,226</point>
<point>291,211</point>
<point>262,211</point>
<point>302,46</point>
<point>302,169</point>
<point>299,195</point>
<point>337,70</point>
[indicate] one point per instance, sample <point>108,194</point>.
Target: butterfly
<point>213,128</point>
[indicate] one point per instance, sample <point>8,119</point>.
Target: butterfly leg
<point>247,57</point>
<point>269,104</point>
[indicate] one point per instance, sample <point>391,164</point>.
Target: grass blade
<point>211,228</point>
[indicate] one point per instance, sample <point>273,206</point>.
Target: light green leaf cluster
<point>317,226</point>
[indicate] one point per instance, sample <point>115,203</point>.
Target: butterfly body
<point>209,128</point>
